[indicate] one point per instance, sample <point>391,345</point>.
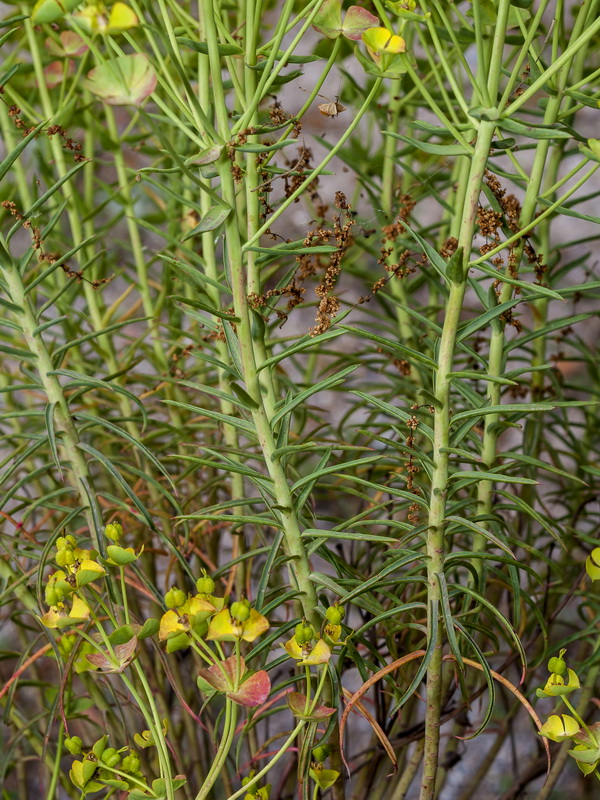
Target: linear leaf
<point>327,383</point>
<point>509,408</point>
<point>407,352</point>
<point>226,419</point>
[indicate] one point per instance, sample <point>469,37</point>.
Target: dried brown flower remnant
<point>511,209</point>
<point>293,291</point>
<point>402,366</point>
<point>277,115</point>
<point>68,143</point>
<point>449,247</point>
<point>411,469</point>
<point>341,201</point>
<point>389,257</point>
<point>51,258</point>
<point>329,304</point>
<point>378,285</point>
<point>489,221</point>
<point>14,113</point>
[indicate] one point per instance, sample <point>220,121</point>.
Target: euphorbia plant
<point>300,408</point>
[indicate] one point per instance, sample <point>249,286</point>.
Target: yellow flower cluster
<point>78,568</point>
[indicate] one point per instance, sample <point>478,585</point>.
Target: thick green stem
<point>299,566</point>
<point>67,434</point>
<point>439,484</point>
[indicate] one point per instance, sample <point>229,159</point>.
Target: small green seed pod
<point>557,665</point>
<point>52,597</point>
<point>321,752</point>
<point>304,633</point>
<point>240,610</point>
<point>65,557</point>
<point>110,757</point>
<point>74,745</point>
<point>335,614</point>
<point>113,531</point>
<point>175,597</point>
<point>205,585</point>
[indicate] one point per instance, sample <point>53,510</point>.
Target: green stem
<point>278,755</point>
<point>439,483</point>
<point>299,566</point>
<point>62,420</point>
<point>222,752</point>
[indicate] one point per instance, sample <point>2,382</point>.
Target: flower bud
<point>240,610</point>
<point>304,633</point>
<point>205,585</point>
<point>74,745</point>
<point>175,597</point>
<point>335,614</point>
<point>113,531</point>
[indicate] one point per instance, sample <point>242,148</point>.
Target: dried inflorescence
<point>329,304</point>
<point>511,210</point>
<point>70,144</point>
<point>293,291</point>
<point>412,469</point>
<point>51,258</point>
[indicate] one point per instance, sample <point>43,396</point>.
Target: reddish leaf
<point>125,80</point>
<point>328,20</point>
<point>253,691</point>
<point>220,682</point>
<point>124,654</point>
<point>297,705</point>
<point>357,21</point>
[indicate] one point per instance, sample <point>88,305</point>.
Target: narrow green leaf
<point>233,346</point>
<point>491,476</point>
<point>202,47</point>
<point>447,150</point>
<point>482,376</point>
<point>112,470</point>
<point>530,288</point>
<point>327,383</point>
<point>305,343</point>
<point>395,347</point>
<point>226,419</point>
<point>255,147</point>
<point>211,221</point>
<point>124,434</point>
<point>10,159</point>
<point>189,301</point>
<point>50,411</point>
<point>508,408</point>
